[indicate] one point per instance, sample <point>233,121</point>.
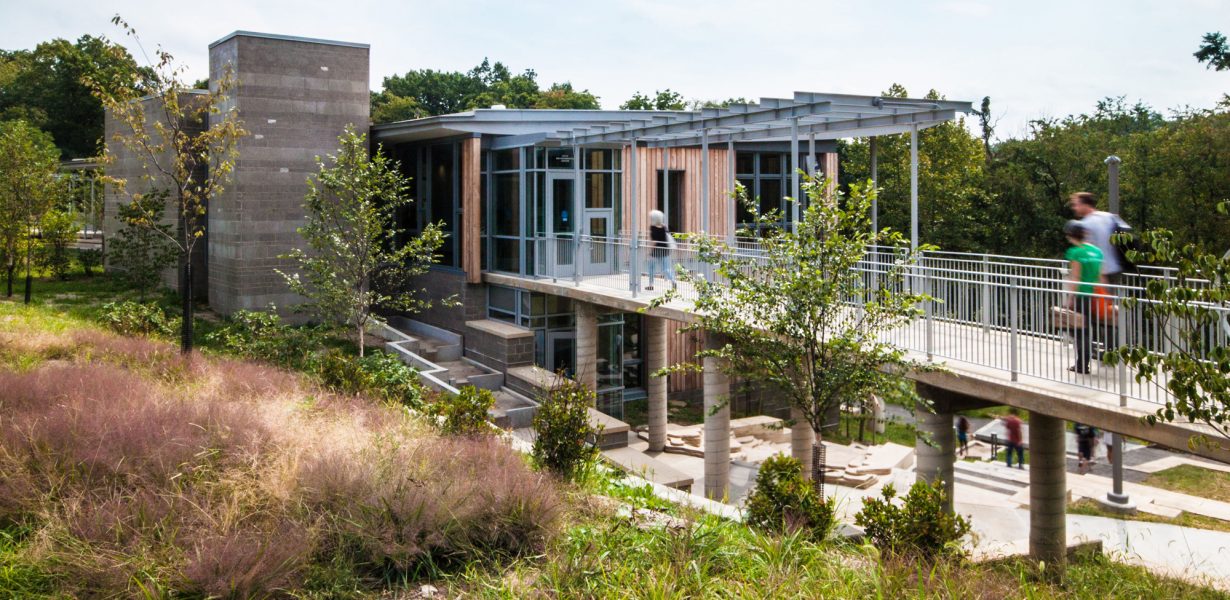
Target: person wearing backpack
<point>661,243</point>
<point>1101,227</point>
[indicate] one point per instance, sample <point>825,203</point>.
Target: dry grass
<point>135,470</point>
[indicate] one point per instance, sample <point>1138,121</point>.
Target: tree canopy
<point>45,87</point>
<point>427,92</point>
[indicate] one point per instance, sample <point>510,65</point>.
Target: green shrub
<point>90,259</point>
<point>263,335</point>
<point>339,371</point>
<point>58,231</point>
<point>135,318</point>
<point>463,414</point>
<point>783,501</point>
<point>565,442</point>
<point>388,378</point>
<point>918,525</point>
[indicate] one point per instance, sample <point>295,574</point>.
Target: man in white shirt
<point>1100,226</point>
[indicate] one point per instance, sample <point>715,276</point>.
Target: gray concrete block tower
<point>295,96</point>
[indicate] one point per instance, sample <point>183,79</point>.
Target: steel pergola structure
<point>811,114</point>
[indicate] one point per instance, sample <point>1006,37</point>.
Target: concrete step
<point>639,463</point>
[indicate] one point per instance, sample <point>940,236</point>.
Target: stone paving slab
<point>1170,462</point>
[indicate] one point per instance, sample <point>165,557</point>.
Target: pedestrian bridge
<point>990,325</point>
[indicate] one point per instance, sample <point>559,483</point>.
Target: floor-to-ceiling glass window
<point>671,202</point>
<point>767,178</point>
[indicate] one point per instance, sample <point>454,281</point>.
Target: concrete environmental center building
<point>534,202</point>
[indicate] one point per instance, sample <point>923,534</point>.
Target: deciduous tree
<point>29,188</point>
<point>142,248</point>
<point>186,142</point>
<point>802,317</point>
<point>353,263</point>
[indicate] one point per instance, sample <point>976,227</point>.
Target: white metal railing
<point>988,310</point>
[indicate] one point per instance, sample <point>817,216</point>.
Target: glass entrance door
<point>561,352</point>
<point>600,254</point>
<point>561,223</point>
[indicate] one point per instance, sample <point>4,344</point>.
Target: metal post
<point>811,153</point>
<point>665,192</point>
<point>929,338</point>
<point>578,229</point>
<point>1112,177</point>
<point>1116,498</point>
<point>732,218</point>
<point>1014,320</point>
<point>704,181</point>
<point>986,293</point>
<point>875,182</point>
<point>634,265</point>
<point>914,187</point>
<point>794,174</point>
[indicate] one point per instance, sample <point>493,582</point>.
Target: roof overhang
<point>806,115</point>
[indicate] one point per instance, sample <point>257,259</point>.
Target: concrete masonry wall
<point>295,97</point>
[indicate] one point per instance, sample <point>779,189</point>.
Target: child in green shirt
<point>1085,264</point>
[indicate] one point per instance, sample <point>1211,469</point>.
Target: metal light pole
<point>1116,499</point>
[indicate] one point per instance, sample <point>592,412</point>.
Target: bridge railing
<point>991,311</point>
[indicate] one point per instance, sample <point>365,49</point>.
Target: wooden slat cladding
<point>688,160</point>
<point>680,347</point>
<point>471,209</point>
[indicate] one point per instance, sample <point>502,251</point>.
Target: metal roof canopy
<point>824,116</point>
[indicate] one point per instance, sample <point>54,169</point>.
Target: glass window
<point>673,207</point>
<point>599,160</point>
<point>770,195</point>
<point>508,255</point>
<point>745,163</point>
<point>508,160</point>
<point>770,164</point>
<point>610,355</point>
<point>507,204</point>
<point>502,303</point>
<point>743,214</point>
<point>559,158</point>
<point>598,190</point>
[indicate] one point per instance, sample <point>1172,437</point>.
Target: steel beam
<point>914,188</point>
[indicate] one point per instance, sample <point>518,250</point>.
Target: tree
<point>57,235</point>
<point>951,186</point>
<point>1214,51</point>
<point>661,100</point>
<point>562,95</point>
<point>800,319</point>
<point>46,86</point>
<point>353,265</point>
<point>1192,314</point>
<point>142,246</point>
<point>388,107</point>
<point>186,142</point>
<point>29,187</point>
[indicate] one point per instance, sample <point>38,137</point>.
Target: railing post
<point>577,264</point>
<point>1116,495</point>
<point>986,293</point>
<point>929,341</point>
<point>553,257</point>
<point>1014,317</point>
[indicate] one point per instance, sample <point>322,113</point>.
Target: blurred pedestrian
<point>963,435</point>
<point>1085,266</point>
<point>1016,441</point>
<point>661,243</point>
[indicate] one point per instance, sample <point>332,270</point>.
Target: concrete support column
<point>587,345</point>
<point>655,357</point>
<point>1048,539</point>
<point>802,440</point>
<point>935,459</point>
<point>717,427</point>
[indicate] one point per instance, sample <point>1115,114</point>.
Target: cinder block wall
<point>295,97</point>
<point>131,167</point>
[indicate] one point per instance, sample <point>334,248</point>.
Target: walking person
<point>1086,437</point>
<point>1107,441</point>
<point>1085,268</point>
<point>660,242</point>
<point>1100,226</point>
<point>963,435</point>
<point>1016,440</point>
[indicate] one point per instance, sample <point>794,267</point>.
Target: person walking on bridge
<point>1100,226</point>
<point>1085,268</point>
<point>661,243</point>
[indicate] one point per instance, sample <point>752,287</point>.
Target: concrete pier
<point>656,359</point>
<point>717,427</point>
<point>935,449</point>
<point>1047,492</point>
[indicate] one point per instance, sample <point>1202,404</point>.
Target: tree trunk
<point>818,460</point>
<point>12,270</point>
<point>802,440</point>
<point>29,278</point>
<point>362,342</point>
<point>185,340</point>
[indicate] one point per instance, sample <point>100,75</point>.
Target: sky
<point>1038,58</point>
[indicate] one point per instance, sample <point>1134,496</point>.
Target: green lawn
<point>1087,506</point>
<point>1193,480</point>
